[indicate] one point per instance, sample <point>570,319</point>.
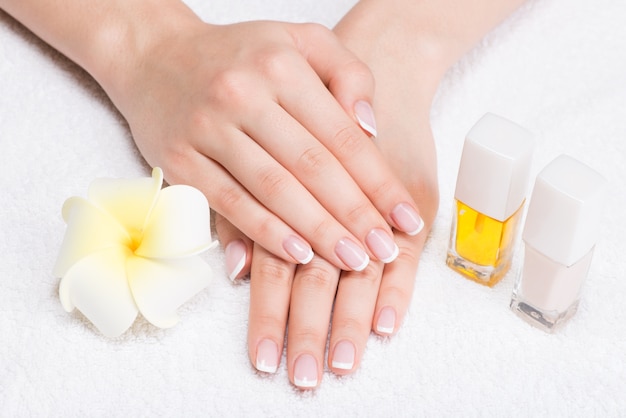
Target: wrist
<point>433,34</point>
<point>118,46</point>
<point>402,57</point>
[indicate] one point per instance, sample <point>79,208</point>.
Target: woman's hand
<point>407,68</point>
<point>408,46</point>
<point>302,297</point>
<point>243,112</point>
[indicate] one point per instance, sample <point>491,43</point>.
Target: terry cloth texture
<point>556,67</point>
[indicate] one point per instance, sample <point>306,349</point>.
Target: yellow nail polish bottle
<point>491,190</point>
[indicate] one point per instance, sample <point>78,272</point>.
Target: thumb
<point>348,78</point>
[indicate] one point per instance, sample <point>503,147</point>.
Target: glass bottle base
<point>485,275</point>
<point>548,321</point>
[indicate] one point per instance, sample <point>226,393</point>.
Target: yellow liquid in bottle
<point>481,247</point>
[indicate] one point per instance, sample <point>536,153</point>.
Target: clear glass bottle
<point>491,188</point>
<point>559,238</point>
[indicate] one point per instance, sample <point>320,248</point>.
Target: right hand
<point>261,117</point>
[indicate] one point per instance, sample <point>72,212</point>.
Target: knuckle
<point>357,72</point>
<point>228,199</point>
<point>307,333</point>
<point>272,271</point>
<point>383,189</point>
<point>322,229</point>
<point>263,228</point>
<point>407,256</point>
<point>352,326</point>
<point>371,274</point>
<point>348,141</point>
<point>276,63</point>
<point>316,29</point>
<point>400,295</point>
<point>268,320</point>
<point>173,158</point>
<point>318,275</point>
<point>272,182</point>
<point>178,162</point>
<point>313,160</point>
<point>230,86</point>
<point>359,213</point>
<point>313,31</point>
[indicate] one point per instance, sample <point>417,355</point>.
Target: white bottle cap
<point>565,210</point>
<point>495,167</point>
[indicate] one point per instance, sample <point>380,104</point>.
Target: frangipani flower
<point>133,247</point>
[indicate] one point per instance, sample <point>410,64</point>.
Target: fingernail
<point>365,115</point>
<point>351,254</point>
<point>343,356</point>
<point>382,245</point>
<point>386,321</point>
<point>235,253</point>
<point>298,249</point>
<point>407,219</point>
<point>305,372</point>
<point>267,356</point>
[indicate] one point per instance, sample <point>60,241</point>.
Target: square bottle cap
<point>495,167</point>
<point>565,210</point>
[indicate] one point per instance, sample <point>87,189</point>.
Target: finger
<point>237,248</point>
<point>316,168</point>
<point>396,288</point>
<point>234,202</point>
<point>350,81</point>
<point>352,317</point>
<point>339,132</point>
<point>312,297</point>
<point>270,289</point>
<point>279,191</point>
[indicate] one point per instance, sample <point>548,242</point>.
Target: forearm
<point>435,33</point>
<point>105,37</point>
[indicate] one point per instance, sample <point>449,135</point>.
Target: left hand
<point>303,296</point>
<point>376,299</point>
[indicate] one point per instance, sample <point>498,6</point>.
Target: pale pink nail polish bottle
<point>559,237</point>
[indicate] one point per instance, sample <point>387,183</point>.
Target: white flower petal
<point>161,286</point>
<point>129,201</point>
<point>179,224</point>
<point>89,229</point>
<point>98,287</point>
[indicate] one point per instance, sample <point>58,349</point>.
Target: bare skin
<point>191,111</point>
<point>408,46</point>
<point>219,107</point>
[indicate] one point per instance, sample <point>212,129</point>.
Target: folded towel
<point>556,67</point>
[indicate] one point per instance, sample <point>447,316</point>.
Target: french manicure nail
<point>305,372</point>
<point>235,254</point>
<point>352,254</point>
<point>365,116</point>
<point>267,356</point>
<point>407,219</point>
<point>343,356</point>
<point>298,249</point>
<point>386,321</point>
<point>382,245</point>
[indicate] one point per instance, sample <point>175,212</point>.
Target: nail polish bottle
<point>491,189</point>
<point>559,238</point>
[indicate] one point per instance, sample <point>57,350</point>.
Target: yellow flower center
<point>136,236</point>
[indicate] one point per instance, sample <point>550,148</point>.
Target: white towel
<point>556,67</point>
